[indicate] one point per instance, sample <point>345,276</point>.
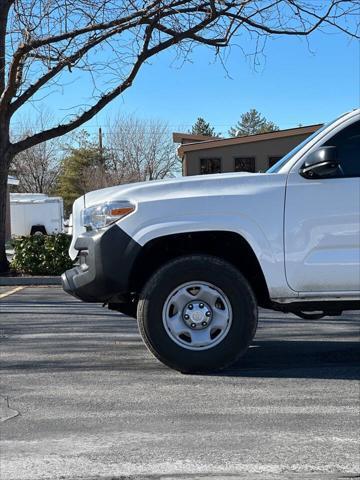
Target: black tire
<point>222,275</point>
<point>38,230</point>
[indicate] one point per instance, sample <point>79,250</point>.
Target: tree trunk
<point>4,169</point>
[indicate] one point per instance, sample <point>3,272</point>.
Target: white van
<point>36,213</point>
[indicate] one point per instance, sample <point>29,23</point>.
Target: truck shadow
<point>299,359</point>
<point>70,336</point>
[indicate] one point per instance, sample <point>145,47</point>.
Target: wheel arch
<point>38,229</point>
<point>229,246</point>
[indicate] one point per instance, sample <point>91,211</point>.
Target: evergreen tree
<point>201,127</point>
<point>251,123</point>
<point>80,170</point>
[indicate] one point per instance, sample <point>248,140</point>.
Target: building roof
<point>189,138</point>
<point>11,180</point>
<point>259,137</point>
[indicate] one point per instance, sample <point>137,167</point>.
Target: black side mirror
<point>321,163</point>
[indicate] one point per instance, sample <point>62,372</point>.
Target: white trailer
<point>36,213</point>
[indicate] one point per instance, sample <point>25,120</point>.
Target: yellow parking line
<point>14,290</point>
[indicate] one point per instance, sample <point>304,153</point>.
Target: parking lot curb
<point>20,281</point>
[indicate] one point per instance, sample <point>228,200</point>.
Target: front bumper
<point>106,261</point>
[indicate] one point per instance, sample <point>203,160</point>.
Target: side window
<point>210,165</point>
<point>347,143</point>
<point>244,164</point>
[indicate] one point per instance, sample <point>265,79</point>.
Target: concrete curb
<point>20,281</point>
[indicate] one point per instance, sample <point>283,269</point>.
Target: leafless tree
<point>43,43</point>
<point>37,168</point>
<point>131,150</point>
<point>139,150</point>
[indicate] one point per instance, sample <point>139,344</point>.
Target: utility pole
<point>101,145</point>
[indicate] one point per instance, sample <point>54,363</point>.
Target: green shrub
<point>42,254</point>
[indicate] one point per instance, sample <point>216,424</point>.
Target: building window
<point>245,164</point>
<point>274,159</point>
<point>210,165</point>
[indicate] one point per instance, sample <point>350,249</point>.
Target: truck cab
<point>193,258</point>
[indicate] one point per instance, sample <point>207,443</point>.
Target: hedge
<point>42,254</point>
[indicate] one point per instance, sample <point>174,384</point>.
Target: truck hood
<point>183,187</point>
<point>178,187</point>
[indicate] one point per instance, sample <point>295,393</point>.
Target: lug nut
<point>201,305</point>
<point>190,307</point>
<point>186,317</point>
<point>208,314</point>
<point>204,324</point>
<point>193,325</point>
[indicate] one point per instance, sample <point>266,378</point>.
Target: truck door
<point>322,222</point>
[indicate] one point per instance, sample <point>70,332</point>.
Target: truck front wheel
<point>197,314</point>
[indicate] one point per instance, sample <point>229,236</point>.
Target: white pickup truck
<point>194,257</point>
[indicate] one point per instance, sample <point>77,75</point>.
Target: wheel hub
<point>197,315</point>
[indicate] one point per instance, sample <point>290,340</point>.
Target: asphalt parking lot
<point>81,398</point>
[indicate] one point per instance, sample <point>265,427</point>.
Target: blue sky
<point>296,82</point>
<point>303,81</point>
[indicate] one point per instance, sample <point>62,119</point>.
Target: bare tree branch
<point>139,150</point>
<point>145,54</point>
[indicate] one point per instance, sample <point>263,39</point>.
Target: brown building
<point>253,153</point>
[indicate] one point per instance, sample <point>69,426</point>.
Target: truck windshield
<point>278,165</point>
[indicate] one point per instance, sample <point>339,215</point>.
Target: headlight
<point>100,216</point>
